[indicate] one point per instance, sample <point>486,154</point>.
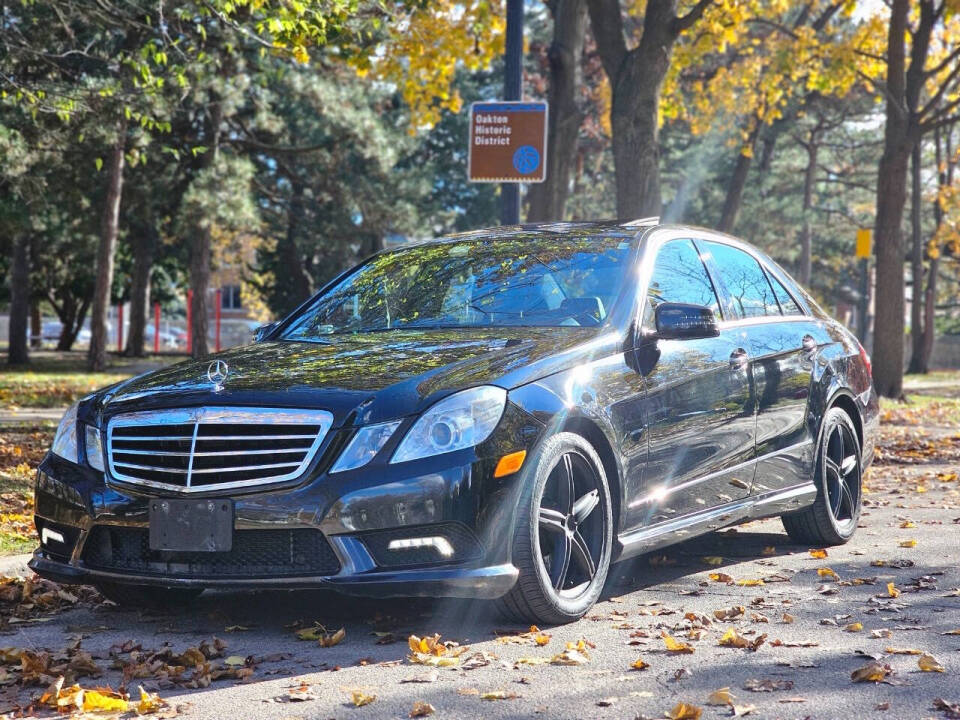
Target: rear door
<point>782,346</point>
<point>697,404</point>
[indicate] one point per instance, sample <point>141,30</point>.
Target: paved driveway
<point>805,665</point>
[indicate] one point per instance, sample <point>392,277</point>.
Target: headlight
<point>94,448</point>
<point>364,445</point>
<point>460,421</point>
<point>65,441</point>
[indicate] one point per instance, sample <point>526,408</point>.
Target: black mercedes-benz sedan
<point>498,414</point>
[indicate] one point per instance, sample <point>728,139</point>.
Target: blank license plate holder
<point>191,525</point>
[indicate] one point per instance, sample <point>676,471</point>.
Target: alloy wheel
<point>571,528</point>
<point>842,476</point>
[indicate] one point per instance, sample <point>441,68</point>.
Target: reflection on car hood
<point>375,375</point>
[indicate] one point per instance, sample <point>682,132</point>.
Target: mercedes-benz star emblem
<point>217,373</point>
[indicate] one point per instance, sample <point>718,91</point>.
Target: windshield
<point>474,283</point>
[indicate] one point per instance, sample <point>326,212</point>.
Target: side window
<point>679,276</point>
<point>744,280</point>
<point>787,304</point>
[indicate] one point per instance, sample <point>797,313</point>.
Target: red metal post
<point>120,328</point>
<point>156,327</point>
<point>189,322</point>
<point>217,333</point>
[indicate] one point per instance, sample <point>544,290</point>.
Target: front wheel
<point>833,517</point>
<point>563,537</point>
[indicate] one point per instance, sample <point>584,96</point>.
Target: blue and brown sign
<point>508,142</point>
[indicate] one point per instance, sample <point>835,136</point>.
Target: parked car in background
<point>500,414</point>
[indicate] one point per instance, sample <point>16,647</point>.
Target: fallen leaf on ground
<point>827,573</point>
<point>731,638</point>
<point>360,698</point>
<point>767,685</point>
<point>787,618</point>
<point>902,651</point>
<point>871,672</point>
<point>892,590</point>
<point>819,554</point>
<point>574,654</point>
<point>952,710</point>
<point>742,710</point>
<point>720,577</point>
<point>422,709</point>
<point>853,627</point>
<point>713,560</point>
<point>674,645</point>
<point>750,582</point>
<point>907,543</point>
<point>639,664</point>
<point>499,695</point>
<point>723,696</point>
<point>928,663</point>
<point>685,711</point>
<point>729,613</point>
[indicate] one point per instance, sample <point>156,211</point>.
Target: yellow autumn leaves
<point>75,698</point>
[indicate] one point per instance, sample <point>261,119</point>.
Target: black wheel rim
<point>571,525</point>
<point>842,475</point>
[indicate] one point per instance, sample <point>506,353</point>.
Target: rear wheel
<point>563,537</point>
<point>833,517</point>
<point>140,596</point>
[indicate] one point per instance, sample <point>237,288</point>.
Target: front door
<point>698,405</point>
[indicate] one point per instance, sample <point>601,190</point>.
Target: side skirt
<point>637,542</point>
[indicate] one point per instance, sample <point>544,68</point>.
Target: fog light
<point>47,534</point>
<point>440,544</point>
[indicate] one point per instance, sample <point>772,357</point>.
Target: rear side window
<point>744,280</point>
<point>679,276</point>
<point>787,304</point>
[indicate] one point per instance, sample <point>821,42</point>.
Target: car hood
<point>359,378</point>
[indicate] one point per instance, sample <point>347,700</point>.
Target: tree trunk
<point>17,353</point>
<point>944,149</point>
<point>301,285</point>
<point>891,197</point>
<point>200,256</point>
<point>735,186</point>
<point>548,199</point>
<point>36,325</point>
<point>144,248</point>
<point>636,77</point>
<point>916,265</point>
<point>106,249</point>
<point>806,232</point>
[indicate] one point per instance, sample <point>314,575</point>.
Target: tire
<point>833,517</point>
<point>147,596</point>
<point>554,523</point>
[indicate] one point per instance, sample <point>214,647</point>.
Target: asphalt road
<point>646,597</point>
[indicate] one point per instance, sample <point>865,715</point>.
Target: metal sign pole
<point>512,90</point>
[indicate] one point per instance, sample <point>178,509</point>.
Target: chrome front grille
<point>204,449</point>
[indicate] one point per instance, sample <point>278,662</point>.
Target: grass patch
<point>22,447</point>
<point>921,409</point>
<point>57,379</point>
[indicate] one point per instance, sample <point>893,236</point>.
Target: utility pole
<point>512,90</point>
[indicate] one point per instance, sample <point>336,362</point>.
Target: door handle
<point>809,343</point>
<point>738,358</point>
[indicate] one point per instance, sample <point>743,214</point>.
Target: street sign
<point>508,142</point>
<point>864,242</point>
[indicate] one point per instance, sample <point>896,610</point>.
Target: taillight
<point>866,360</point>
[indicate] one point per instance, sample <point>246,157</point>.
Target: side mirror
<point>680,321</point>
<point>262,332</point>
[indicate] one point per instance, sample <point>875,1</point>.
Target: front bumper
<point>489,582</point>
<point>331,531</point>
